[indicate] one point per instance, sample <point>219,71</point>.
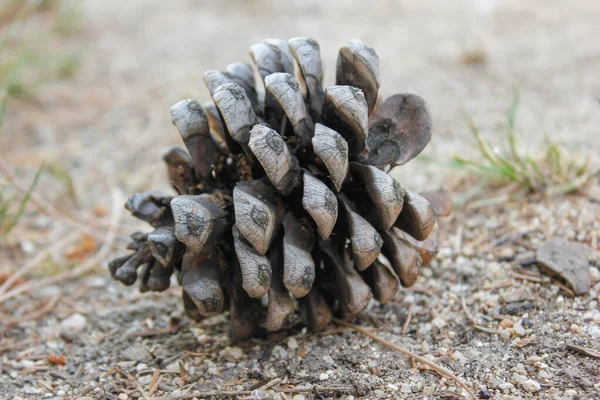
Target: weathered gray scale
<point>385,192</point>
<point>237,111</point>
<point>399,130</point>
<point>192,123</point>
<point>332,149</point>
<point>256,268</point>
<point>199,221</point>
<point>417,217</point>
<point>308,56</point>
<point>320,203</point>
<point>285,89</point>
<point>216,126</point>
<point>274,156</point>
<point>405,260</point>
<point>269,57</point>
<point>180,169</point>
<point>316,310</point>
<point>165,247</point>
<point>245,311</point>
<point>256,214</point>
<point>366,242</point>
<point>285,55</point>
<point>150,206</point>
<point>160,277</point>
<point>427,248</point>
<point>201,282</point>
<point>358,66</point>
<point>346,285</point>
<point>281,305</point>
<point>298,264</point>
<point>381,280</point>
<point>345,110</point>
<point>243,74</point>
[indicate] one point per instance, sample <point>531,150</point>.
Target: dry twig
<point>49,209</point>
<point>441,370</point>
<point>408,318</point>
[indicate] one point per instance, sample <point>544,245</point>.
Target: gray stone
<point>567,260</point>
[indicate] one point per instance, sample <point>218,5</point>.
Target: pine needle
<point>441,370</point>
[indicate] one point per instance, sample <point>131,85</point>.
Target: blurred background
<point>86,86</point>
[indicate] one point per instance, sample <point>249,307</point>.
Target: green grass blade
<point>24,201</point>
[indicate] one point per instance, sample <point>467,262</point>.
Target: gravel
<point>110,124</point>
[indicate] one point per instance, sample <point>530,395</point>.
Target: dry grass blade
<point>86,266</point>
<point>441,370</point>
<point>81,220</point>
<point>21,209</point>
<point>31,264</point>
<point>553,172</point>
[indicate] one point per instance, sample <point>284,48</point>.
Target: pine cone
<point>288,196</point>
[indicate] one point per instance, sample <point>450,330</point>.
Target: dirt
<point>109,125</point>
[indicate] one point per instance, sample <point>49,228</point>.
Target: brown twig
<point>134,382</point>
<point>564,287</point>
<point>530,278</point>
<point>408,318</point>
<point>89,264</point>
<point>441,370</point>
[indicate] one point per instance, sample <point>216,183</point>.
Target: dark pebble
<point>518,307</point>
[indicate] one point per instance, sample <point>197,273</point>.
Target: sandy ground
<point>110,124</point>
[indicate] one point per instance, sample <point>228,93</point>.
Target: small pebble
<point>519,330</point>
<point>298,397</point>
<point>140,367</point>
<point>74,323</point>
<point>174,367</point>
<point>425,347</point>
<point>484,394</point>
<point>531,386</point>
<point>323,377</point>
<point>123,396</point>
<point>292,344</point>
<point>506,323</point>
<point>232,353</point>
<point>570,393</point>
<point>392,386</point>
<point>506,386</point>
<point>406,388</point>
<point>328,360</point>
